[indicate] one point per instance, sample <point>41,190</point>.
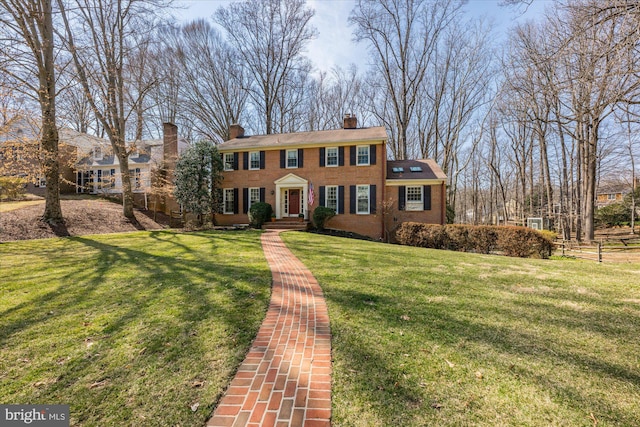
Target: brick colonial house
<point>344,169</point>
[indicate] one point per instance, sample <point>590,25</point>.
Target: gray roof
<point>321,137</point>
<point>429,170</point>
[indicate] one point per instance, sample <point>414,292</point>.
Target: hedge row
<point>511,241</point>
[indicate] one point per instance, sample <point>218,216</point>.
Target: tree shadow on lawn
<point>445,326</point>
<point>158,316</point>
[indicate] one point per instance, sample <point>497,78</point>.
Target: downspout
<point>443,204</point>
<point>383,188</point>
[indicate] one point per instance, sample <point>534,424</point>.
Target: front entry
<point>294,202</point>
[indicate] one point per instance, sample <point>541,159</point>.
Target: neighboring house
<point>611,193</point>
<point>20,156</point>
<point>98,168</point>
<point>344,169</point>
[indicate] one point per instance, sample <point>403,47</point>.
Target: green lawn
<point>129,329</point>
<point>11,206</point>
<point>437,338</point>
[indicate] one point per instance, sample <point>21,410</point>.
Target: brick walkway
<point>285,379</point>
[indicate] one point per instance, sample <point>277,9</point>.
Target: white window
<point>331,197</point>
<point>362,197</point>
<point>97,153</point>
<point>113,178</point>
<point>254,196</point>
<point>228,161</point>
<point>332,156</point>
<point>254,160</point>
<point>292,159</point>
<point>611,196</point>
<point>414,199</point>
<point>134,176</point>
<point>363,155</point>
<point>134,154</point>
<point>228,200</point>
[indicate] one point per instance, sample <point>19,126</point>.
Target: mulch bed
<point>81,217</point>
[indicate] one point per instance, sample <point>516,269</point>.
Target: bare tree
<point>270,36</point>
<point>100,35</point>
<point>27,52</point>
<point>403,36</point>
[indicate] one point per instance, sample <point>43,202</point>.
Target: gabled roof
<point>423,169</point>
<point>315,138</point>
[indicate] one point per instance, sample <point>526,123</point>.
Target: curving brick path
<point>285,379</point>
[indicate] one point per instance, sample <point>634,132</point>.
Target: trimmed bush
<point>259,213</point>
<point>511,241</point>
<point>321,215</point>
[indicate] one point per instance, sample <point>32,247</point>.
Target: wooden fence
<point>627,251</point>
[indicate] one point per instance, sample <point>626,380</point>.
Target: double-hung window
<point>254,196</point>
<point>331,197</point>
<point>414,198</point>
<point>228,161</point>
<point>228,201</point>
<point>362,155</point>
<point>362,198</point>
<point>254,160</point>
<point>332,156</point>
<point>292,159</point>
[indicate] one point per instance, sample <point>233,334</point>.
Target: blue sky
<point>334,45</point>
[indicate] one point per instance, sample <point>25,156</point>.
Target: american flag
<point>311,195</point>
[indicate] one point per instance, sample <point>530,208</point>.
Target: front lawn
<point>436,338</point>
<point>137,329</point>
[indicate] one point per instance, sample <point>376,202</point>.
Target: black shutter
<point>235,200</point>
<point>262,193</point>
<point>352,155</point>
<point>245,160</point>
<point>427,197</point>
<point>372,199</point>
<point>402,197</point>
<point>245,200</point>
<point>300,157</point>
<point>323,152</point>
<point>372,154</point>
<point>352,199</point>
<point>283,159</point>
<point>235,161</point>
<point>341,199</point>
<point>262,159</point>
<point>321,196</point>
<point>340,156</point>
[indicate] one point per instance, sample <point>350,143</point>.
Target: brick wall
<point>370,225</point>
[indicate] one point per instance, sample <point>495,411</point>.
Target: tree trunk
<point>47,96</point>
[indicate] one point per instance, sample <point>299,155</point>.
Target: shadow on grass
<point>392,332</point>
<point>147,310</point>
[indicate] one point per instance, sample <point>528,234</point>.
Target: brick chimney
<point>350,121</point>
<point>236,131</point>
<point>170,145</point>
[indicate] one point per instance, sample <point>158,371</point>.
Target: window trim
<point>226,162</point>
<point>225,198</point>
<point>414,205</point>
<point>368,193</point>
<point>249,201</point>
<point>97,153</point>
<point>337,157</point>
<point>251,160</point>
<point>358,147</point>
<point>327,189</point>
<point>287,159</point>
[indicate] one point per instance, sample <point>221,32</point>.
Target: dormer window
<point>134,154</point>
<point>97,153</point>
